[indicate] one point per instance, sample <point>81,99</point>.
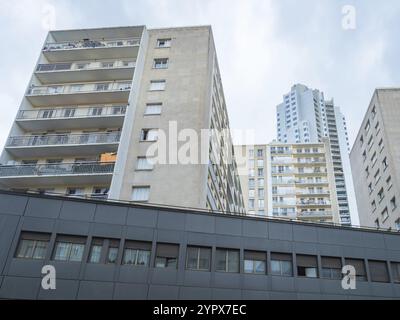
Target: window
<point>251,153</point>
<point>96,111</point>
<point>378,271</point>
<point>153,109</point>
<point>77,87</point>
<point>144,163</point>
<point>307,266</point>
<point>104,251</point>
<point>137,253</point>
<point>260,172</point>
<point>260,163</point>
<point>167,255</point>
<point>198,258</point>
<point>254,262</point>
<point>32,245</point>
<point>385,164</point>
<point>373,112</point>
<point>385,214</point>
<point>261,193</point>
<point>260,153</point>
<point>359,266</point>
<point>251,183</point>
<point>367,126</point>
<point>331,267</point>
<point>163,43</point>
<point>107,64</point>
<point>227,260</point>
<point>395,271</point>
<point>281,264</point>
<point>149,135</point>
<point>157,85</point>
<point>381,195</point>
<point>69,248</point>
<point>160,63</point>
<point>373,205</point>
<point>140,193</point>
<point>251,193</point>
<point>261,183</point>
<point>101,86</point>
<point>75,191</point>
<point>261,203</point>
<point>397,224</point>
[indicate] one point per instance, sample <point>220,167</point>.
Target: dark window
<point>198,258</point>
<point>32,245</point>
<point>137,253</point>
<point>69,248</point>
<point>395,271</point>
<point>255,262</point>
<point>227,260</point>
<point>281,264</point>
<point>378,271</point>
<point>307,266</point>
<point>359,266</point>
<point>167,255</point>
<point>331,267</point>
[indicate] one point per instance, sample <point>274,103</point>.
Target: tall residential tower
<point>100,98</point>
<point>305,116</point>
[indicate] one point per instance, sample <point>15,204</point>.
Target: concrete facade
<point>375,161</point>
<point>87,220</point>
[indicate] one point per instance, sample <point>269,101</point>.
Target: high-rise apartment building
<point>289,181</point>
<point>375,161</point>
<point>305,116</point>
<point>100,98</point>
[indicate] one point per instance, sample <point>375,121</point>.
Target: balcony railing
<point>311,182</point>
<point>63,139</point>
<point>313,202</point>
<point>52,67</point>
<point>58,169</point>
<point>90,44</point>
<point>311,214</point>
<point>79,88</point>
<point>71,112</point>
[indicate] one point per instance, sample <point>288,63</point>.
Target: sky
<point>263,48</point>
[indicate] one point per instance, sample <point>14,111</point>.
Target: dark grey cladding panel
<point>362,289</point>
<point>197,278</point>
<point>170,237</point>
<point>100,272</point>
<point>65,290</point>
<point>133,274</point>
<point>77,211</point>
<point>203,239</point>
<point>280,231</point>
<point>374,240</point>
<point>308,296</point>
<point>257,244</point>
<point>164,276</point>
<point>308,285</point>
<point>376,254</point>
<point>200,223</point>
<point>137,233</point>
<point>256,229</point>
<point>332,287</point>
<point>104,230</point>
<point>38,224</point>
<point>255,295</point>
<point>43,208</point>
<point>95,290</point>
<point>67,270</point>
<point>26,268</point>
<point>171,220</point>
<point>227,280</point>
<point>305,234</point>
<point>276,295</point>
<point>72,227</point>
<point>330,250</point>
<point>283,284</point>
<point>226,294</point>
<point>305,247</point>
<point>111,214</point>
<point>353,252</point>
<point>392,241</point>
<point>256,282</point>
<point>280,246</point>
<point>228,242</point>
<point>142,217</point>
<point>342,237</point>
<point>383,290</point>
<point>130,291</point>
<point>195,293</point>
<point>8,227</point>
<point>228,226</point>
<point>12,204</point>
<point>159,292</point>
<point>20,288</point>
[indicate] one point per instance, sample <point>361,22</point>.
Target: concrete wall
<point>21,278</point>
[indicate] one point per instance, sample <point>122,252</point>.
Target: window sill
<point>145,170</point>
<point>148,140</point>
<point>151,114</point>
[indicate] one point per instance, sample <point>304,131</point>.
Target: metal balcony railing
<point>90,44</point>
<point>58,169</point>
<point>312,214</point>
<point>311,202</point>
<point>79,88</point>
<point>71,112</point>
<point>63,139</point>
<point>84,66</point>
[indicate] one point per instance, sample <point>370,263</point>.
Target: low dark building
<point>108,250</point>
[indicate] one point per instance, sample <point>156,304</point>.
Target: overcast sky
<point>263,48</point>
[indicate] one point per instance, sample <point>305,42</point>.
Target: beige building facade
<point>100,99</point>
<point>375,162</point>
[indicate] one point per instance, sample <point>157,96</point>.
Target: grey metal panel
<point>228,226</point>
<point>257,229</point>
<point>279,246</point>
<point>43,208</point>
<point>276,295</point>
<point>255,295</point>
<point>65,290</point>
<point>197,278</point>
<point>308,285</point>
<point>20,288</point>
<point>203,239</point>
<point>77,211</point>
<point>282,284</point>
<point>306,248</point>
<point>107,231</point>
<point>362,289</point>
<point>259,244</point>
<point>227,280</point>
<point>170,237</point>
<point>38,224</point>
<point>392,242</point>
<point>200,223</point>
<point>100,272</point>
<point>256,282</point>
<point>142,217</point>
<point>170,220</point>
<point>72,227</point>
<point>330,250</point>
<point>304,234</point>
<point>12,204</point>
<point>164,276</point>
<point>130,291</point>
<point>8,227</point>
<point>95,290</point>
<point>157,292</point>
<point>111,214</point>
<point>382,290</point>
<point>133,274</point>
<point>26,267</point>
<point>373,240</point>
<point>226,294</point>
<point>137,233</point>
<point>280,231</point>
<point>67,270</point>
<point>228,241</point>
<point>195,293</point>
<point>332,287</point>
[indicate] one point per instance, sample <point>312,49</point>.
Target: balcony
<point>87,49</point>
<point>85,71</point>
<point>80,93</point>
<point>314,214</point>
<point>56,174</point>
<point>62,145</point>
<point>74,117</point>
<point>314,182</point>
<point>313,203</point>
<point>312,193</point>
